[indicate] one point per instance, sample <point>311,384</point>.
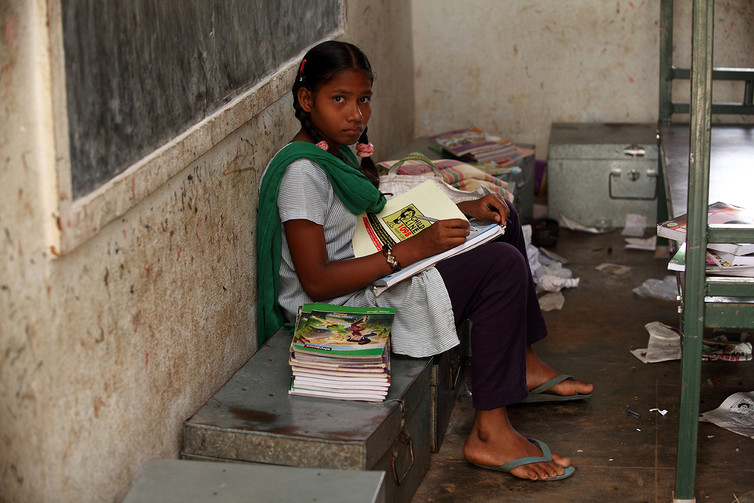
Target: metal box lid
<point>571,140</point>
<point>253,418</point>
<point>181,481</point>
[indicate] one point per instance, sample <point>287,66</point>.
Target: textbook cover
<point>341,352</point>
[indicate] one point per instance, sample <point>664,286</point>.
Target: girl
<point>310,196</point>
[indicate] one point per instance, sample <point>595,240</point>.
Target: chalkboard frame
<point>80,218</point>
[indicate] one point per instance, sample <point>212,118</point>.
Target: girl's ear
<point>305,99</point>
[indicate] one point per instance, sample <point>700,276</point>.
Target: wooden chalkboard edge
<point>82,219</point>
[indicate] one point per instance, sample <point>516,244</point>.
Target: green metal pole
<point>696,245</point>
<point>666,61</point>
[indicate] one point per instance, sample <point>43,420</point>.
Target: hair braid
<point>367,164</point>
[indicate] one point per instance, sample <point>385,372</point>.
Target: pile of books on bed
<point>723,259</point>
<point>341,352</point>
<point>474,145</point>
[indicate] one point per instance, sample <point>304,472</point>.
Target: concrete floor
<point>617,457</point>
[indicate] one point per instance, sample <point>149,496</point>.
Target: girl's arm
<point>322,279</point>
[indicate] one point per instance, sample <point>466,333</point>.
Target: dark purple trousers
<point>492,286</point>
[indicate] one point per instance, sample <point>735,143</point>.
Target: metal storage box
<point>252,418</point>
<point>603,171</point>
<point>183,481</point>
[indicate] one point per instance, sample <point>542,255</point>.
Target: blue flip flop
<point>545,457</point>
<point>539,394</point>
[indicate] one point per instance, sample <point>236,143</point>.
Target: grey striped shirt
<point>424,323</point>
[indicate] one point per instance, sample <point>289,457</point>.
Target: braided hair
<point>320,64</point>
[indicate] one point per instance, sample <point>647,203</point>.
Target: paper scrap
<point>613,268</point>
<point>661,411</point>
<point>575,226</point>
<point>635,225</point>
<point>664,344</point>
<point>735,414</point>
<point>647,244</point>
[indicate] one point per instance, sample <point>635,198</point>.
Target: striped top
<point>424,323</point>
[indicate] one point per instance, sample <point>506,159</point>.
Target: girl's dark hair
<point>322,63</point>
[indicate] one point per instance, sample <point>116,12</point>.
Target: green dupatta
<point>350,185</point>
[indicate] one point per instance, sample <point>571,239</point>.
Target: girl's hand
<point>438,237</point>
<point>490,207</point>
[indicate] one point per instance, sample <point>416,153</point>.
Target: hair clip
<point>364,149</point>
<point>323,145</point>
<point>301,71</point>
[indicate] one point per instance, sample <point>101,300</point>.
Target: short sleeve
<point>305,193</point>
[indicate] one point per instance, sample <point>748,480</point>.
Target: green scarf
<point>350,185</point>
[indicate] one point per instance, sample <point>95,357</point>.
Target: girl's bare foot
<point>538,373</point>
<point>494,442</point>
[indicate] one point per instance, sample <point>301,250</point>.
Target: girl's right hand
<point>437,238</point>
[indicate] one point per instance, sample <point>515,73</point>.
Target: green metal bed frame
<point>706,302</point>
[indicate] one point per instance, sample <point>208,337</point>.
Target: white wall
<point>514,67</point>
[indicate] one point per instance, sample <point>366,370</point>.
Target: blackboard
<point>139,72</point>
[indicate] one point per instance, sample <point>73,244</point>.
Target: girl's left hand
<point>490,207</point>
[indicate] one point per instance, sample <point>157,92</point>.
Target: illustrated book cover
<point>341,352</point>
<point>717,213</point>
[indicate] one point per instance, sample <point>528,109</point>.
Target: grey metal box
<point>183,481</point>
<point>252,418</point>
<point>603,171</point>
<point>444,382</point>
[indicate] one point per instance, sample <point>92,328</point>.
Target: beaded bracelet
<point>387,251</point>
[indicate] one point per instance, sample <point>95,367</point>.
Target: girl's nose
<point>356,113</point>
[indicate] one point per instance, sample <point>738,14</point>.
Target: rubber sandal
<point>538,394</point>
<point>545,457</point>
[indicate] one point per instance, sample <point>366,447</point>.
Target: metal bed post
<point>696,245</point>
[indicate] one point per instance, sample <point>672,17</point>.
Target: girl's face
<point>341,108</point>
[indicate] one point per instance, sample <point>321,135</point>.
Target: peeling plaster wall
<point>107,349</point>
<point>514,67</point>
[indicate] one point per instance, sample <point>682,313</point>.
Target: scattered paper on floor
<point>664,344</point>
<point>719,348</point>
<point>665,289</point>
<point>635,225</point>
<point>575,226</point>
<point>613,268</point>
<point>551,301</point>
<point>735,414</point>
<point>647,244</point>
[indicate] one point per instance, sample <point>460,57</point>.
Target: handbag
<point>458,180</point>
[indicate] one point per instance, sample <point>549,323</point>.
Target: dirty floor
<point>618,457</point>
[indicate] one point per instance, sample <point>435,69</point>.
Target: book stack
<point>341,352</point>
<point>723,259</point>
<point>474,145</point>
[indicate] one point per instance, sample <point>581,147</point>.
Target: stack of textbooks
<point>341,352</point>
<point>723,259</point>
<point>474,145</point>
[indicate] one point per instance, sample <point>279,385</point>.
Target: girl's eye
<point>338,99</point>
<point>366,100</point>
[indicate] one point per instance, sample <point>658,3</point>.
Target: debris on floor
<point>551,301</point>
<point>720,347</point>
<point>665,289</point>
<point>602,228</point>
<point>635,225</point>
<point>664,344</point>
<point>646,244</point>
<point>613,268</point>
<point>547,270</point>
<point>735,414</point>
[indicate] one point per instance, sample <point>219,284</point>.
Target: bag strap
<point>416,156</point>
